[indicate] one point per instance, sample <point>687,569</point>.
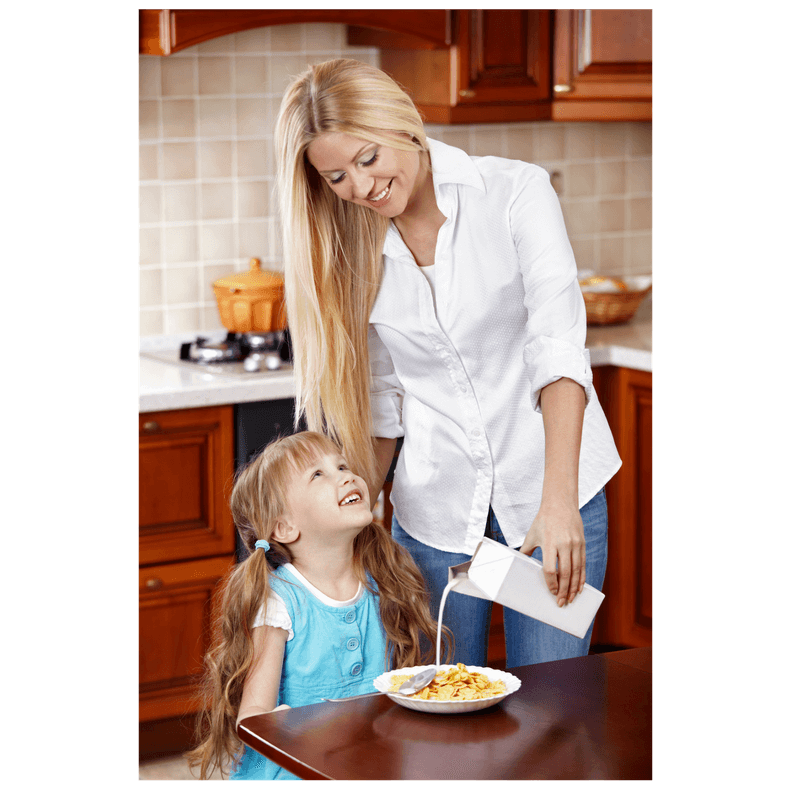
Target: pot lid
<point>256,278</point>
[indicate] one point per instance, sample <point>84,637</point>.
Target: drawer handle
<point>152,425</point>
<point>466,93</point>
<point>154,583</point>
<point>562,88</point>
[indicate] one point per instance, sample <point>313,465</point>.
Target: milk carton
<point>501,574</point>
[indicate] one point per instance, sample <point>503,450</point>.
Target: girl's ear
<point>285,532</point>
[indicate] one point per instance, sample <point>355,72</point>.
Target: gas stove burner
<point>256,351</point>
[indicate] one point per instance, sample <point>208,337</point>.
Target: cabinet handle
<point>154,583</point>
<point>466,93</point>
<point>151,425</point>
<point>562,88</point>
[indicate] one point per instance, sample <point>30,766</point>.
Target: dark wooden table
<point>580,718</point>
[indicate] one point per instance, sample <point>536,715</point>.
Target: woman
<point>434,296</point>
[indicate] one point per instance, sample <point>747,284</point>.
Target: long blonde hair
<point>332,249</point>
<point>257,501</point>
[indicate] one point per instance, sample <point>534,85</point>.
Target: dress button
<point>350,616</point>
<point>352,644</point>
<point>355,669</point>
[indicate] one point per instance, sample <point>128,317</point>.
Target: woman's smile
<point>383,198</point>
<point>369,174</point>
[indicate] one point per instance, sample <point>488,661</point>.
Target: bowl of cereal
<point>456,688</point>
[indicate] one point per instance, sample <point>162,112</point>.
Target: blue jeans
<point>528,641</point>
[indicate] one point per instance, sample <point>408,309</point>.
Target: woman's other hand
<point>558,530</point>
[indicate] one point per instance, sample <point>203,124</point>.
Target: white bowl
<point>383,683</point>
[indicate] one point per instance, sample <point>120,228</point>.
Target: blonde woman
<point>433,296</point>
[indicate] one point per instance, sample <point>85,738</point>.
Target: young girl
<point>325,602</point>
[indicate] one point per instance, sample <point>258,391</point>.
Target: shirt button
<point>352,644</point>
<point>350,616</point>
<point>355,669</point>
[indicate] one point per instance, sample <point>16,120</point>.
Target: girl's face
<point>325,498</point>
<point>372,175</point>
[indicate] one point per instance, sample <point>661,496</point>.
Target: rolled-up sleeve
<point>555,342</point>
<point>386,392</point>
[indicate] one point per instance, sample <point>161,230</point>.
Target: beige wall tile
<point>583,249</point>
<point>254,197</point>
<point>216,117</point>
<point>150,245</point>
<point>215,74</point>
<point>639,254</point>
<point>612,255</point>
<point>551,142</point>
<point>520,142</point>
<point>178,320</point>
<point>150,287</point>
<point>611,215</point>
<point>148,162</point>
<point>180,161</point>
<point>149,76</point>
<point>250,74</point>
<point>209,318</point>
<point>216,200</point>
<point>180,244</point>
<point>149,113</point>
<point>610,177</point>
<point>216,159</point>
<point>181,285</point>
<point>640,137</point>
<point>457,136</point>
<point>180,202</point>
<point>640,210</point>
<point>251,116</point>
<point>149,204</point>
<point>217,241</point>
<point>639,176</point>
<point>151,322</point>
<point>287,38</point>
<point>325,36</point>
<point>219,45</point>
<point>579,180</point>
<point>254,239</point>
<point>580,216</point>
<point>252,158</point>
<point>283,70</point>
<point>487,140</point>
<point>256,40</point>
<point>178,119</point>
<point>580,140</point>
<point>178,76</point>
<point>611,139</point>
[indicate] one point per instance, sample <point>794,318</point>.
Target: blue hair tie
<point>263,544</point>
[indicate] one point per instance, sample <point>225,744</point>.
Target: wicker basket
<point>611,308</point>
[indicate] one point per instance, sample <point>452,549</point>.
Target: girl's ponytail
<point>228,660</point>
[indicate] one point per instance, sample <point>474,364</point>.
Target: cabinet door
<point>185,471</point>
<point>502,57</point>
<point>626,617</point>
<point>498,69</point>
<point>602,64</point>
<point>176,602</point>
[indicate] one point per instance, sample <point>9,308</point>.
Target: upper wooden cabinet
<point>464,66</point>
<point>602,65</point>
<point>496,70</point>
<point>165,31</point>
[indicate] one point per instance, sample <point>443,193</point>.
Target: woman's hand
<point>558,530</point>
<point>558,527</point>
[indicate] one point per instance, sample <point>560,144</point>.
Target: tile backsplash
<point>206,117</point>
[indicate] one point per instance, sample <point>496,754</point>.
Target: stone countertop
<point>164,386</point>
<point>627,345</point>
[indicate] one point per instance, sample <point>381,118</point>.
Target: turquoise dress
<point>336,651</point>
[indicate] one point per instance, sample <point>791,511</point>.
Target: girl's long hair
<point>257,501</point>
<point>332,249</point>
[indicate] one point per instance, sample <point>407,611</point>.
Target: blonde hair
<point>257,501</point>
<point>332,249</point>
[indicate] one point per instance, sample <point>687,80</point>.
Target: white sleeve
<point>275,614</point>
<point>556,332</point>
<point>386,391</point>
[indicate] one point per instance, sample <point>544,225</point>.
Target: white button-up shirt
<point>460,378</point>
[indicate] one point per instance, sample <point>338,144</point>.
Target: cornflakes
<point>457,683</point>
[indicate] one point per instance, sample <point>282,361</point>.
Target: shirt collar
<point>448,165</point>
<point>451,165</point>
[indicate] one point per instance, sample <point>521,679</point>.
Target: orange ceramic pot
<point>251,301</point>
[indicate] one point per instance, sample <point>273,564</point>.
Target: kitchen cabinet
<point>602,64</point>
<point>186,546</point>
<point>470,66</point>
<point>497,68</point>
<point>165,31</point>
<point>185,460</point>
<point>625,618</point>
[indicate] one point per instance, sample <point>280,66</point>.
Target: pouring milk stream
<point>501,574</point>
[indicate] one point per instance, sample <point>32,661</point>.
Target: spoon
<point>409,687</point>
<point>417,682</point>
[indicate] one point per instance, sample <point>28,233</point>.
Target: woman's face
<point>373,175</point>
